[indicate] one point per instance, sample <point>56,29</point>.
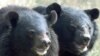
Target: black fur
<point>71,20</point>
<point>27,29</point>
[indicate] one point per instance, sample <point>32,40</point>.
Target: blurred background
<point>81,4</point>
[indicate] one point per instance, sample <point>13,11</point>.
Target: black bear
<point>30,32</point>
<point>76,29</point>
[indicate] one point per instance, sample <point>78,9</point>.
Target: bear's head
<point>30,30</point>
<point>74,27</point>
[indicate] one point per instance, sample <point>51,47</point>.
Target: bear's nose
<point>86,39</point>
<point>46,43</point>
<point>46,40</point>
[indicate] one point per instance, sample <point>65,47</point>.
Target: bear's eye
<point>89,28</point>
<point>31,33</point>
<point>72,28</point>
<point>47,33</point>
<point>7,27</point>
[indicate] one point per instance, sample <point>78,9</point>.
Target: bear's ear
<point>93,13</point>
<point>52,18</point>
<point>54,6</point>
<point>13,18</point>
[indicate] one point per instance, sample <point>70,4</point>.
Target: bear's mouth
<point>81,47</point>
<point>41,50</point>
